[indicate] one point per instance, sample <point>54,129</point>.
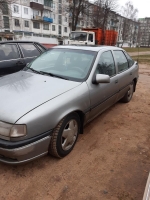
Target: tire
<point>128,96</point>
<point>65,136</point>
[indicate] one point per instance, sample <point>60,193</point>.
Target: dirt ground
<point>110,161</point>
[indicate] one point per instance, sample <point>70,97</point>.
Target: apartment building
<point>144,32</point>
<point>5,22</point>
<point>50,22</point>
<point>45,21</point>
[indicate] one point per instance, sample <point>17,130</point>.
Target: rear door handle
<point>116,81</point>
<point>130,73</point>
<point>19,63</point>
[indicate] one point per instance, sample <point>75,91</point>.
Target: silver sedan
<point>45,106</point>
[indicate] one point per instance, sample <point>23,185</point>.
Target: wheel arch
<point>81,116</point>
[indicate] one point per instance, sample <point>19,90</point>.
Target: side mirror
<point>102,78</point>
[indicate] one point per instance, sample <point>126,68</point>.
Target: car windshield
<point>81,36</point>
<point>64,63</point>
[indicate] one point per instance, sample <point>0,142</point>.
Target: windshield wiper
<point>34,70</point>
<point>53,75</point>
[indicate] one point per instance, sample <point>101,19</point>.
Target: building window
<point>66,19</point>
<point>17,22</point>
<point>36,25</point>
<point>59,30</point>
<point>59,19</point>
<point>47,3</point>
<point>27,34</point>
<point>5,9</point>
<point>46,26</point>
<point>44,35</point>
<point>26,11</point>
<point>6,21</point>
<point>26,23</point>
<point>59,8</point>
<point>16,9</point>
<point>53,5</point>
<point>65,29</point>
<point>53,27</point>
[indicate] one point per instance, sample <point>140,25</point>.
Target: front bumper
<point>11,153</point>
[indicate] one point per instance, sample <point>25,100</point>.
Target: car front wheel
<point>128,96</point>
<point>65,136</point>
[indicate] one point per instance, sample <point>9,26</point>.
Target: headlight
<point>12,131</point>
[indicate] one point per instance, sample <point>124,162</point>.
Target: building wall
<point>144,32</point>
<point>21,32</point>
<point>51,35</point>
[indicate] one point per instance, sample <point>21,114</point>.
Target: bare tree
<point>130,14</point>
<point>102,12</point>
<point>78,8</point>
<point>97,16</point>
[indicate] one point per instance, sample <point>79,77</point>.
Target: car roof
<point>17,41</point>
<point>88,48</point>
<point>21,41</point>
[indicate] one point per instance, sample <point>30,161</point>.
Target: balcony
<point>46,19</point>
<point>37,18</point>
<point>48,8</point>
<point>36,6</point>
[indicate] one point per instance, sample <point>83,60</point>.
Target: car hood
<point>23,91</point>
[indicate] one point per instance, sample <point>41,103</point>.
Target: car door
<point>29,51</point>
<point>103,95</point>
<point>10,59</point>
<point>125,75</point>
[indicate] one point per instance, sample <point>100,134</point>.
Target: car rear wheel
<point>128,96</point>
<point>65,136</point>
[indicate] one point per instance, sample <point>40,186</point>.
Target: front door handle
<point>116,81</point>
<point>130,73</point>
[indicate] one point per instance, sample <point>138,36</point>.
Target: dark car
<point>14,55</point>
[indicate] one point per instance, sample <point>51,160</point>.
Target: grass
<point>128,49</point>
<point>142,58</point>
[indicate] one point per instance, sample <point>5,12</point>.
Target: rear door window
<point>8,52</point>
<point>29,50</point>
<point>130,61</point>
<point>121,60</point>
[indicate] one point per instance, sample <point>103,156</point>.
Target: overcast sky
<point>143,7</point>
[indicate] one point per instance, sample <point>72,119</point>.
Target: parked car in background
<point>14,55</point>
<point>44,107</point>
